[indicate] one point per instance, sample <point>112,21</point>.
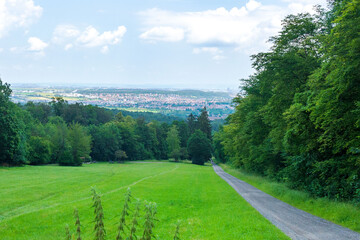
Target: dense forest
<point>297,118</point>
<point>71,134</point>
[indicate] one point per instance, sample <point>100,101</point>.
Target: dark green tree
<point>80,145</point>
<point>191,122</point>
<point>204,123</point>
<point>12,138</point>
<point>184,132</point>
<point>38,150</point>
<point>57,134</point>
<point>199,148</point>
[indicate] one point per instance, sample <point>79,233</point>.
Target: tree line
<point>71,134</point>
<point>297,117</point>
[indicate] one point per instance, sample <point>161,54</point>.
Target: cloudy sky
<point>132,43</point>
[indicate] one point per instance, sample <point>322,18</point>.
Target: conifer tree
<point>204,123</point>
<point>191,121</point>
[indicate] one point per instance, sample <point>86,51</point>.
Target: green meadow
<point>38,201</point>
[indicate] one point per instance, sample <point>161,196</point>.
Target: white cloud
<point>68,46</point>
<point>104,50</point>
<point>167,34</point>
<point>252,5</point>
<point>211,50</point>
<point>71,36</point>
<point>215,52</point>
<point>17,13</point>
<point>36,47</point>
<point>247,28</point>
<point>14,49</point>
<point>36,44</point>
<point>64,32</point>
<point>92,38</point>
<point>1,50</point>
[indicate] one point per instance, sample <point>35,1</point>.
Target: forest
<point>297,119</point>
<point>71,134</point>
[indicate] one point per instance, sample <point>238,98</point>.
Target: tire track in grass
<point>8,215</point>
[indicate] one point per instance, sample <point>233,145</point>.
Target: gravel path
<point>294,222</point>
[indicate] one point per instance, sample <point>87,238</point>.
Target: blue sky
<point>133,43</point>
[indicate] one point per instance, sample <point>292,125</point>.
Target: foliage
<point>11,134</point>
<point>39,151</point>
<point>77,224</point>
<point>124,214</point>
<point>70,134</point>
<point>120,155</point>
<point>99,229</point>
<point>296,119</point>
<point>199,148</point>
<point>173,142</point>
<point>204,123</point>
<point>80,142</point>
<point>150,212</point>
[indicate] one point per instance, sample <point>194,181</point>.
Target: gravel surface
<point>294,222</point>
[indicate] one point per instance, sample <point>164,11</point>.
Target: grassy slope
<point>342,213</point>
<point>37,202</point>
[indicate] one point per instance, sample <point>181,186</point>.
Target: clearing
<point>38,201</point>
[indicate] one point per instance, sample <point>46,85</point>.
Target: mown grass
<point>38,201</point>
<point>342,213</point>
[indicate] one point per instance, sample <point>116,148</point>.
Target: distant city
<point>170,102</point>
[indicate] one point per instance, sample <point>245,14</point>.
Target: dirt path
<point>294,222</point>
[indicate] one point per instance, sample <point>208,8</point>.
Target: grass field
<point>38,201</point>
<point>342,213</point>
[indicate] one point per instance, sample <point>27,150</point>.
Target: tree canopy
<point>297,117</point>
<point>199,148</point>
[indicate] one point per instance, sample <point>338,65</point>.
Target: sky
<point>200,44</point>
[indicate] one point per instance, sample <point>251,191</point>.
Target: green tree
<point>184,132</point>
<point>12,138</point>
<point>199,148</point>
<point>173,142</point>
<point>80,145</point>
<point>107,139</point>
<point>191,122</point>
<point>38,150</point>
<point>57,134</point>
<point>204,123</point>
<point>219,152</point>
